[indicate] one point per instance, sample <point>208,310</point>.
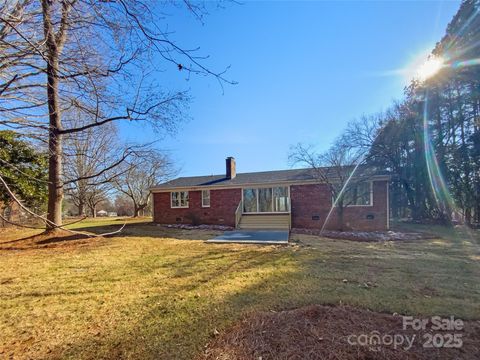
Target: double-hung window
<point>179,199</point>
<point>205,198</point>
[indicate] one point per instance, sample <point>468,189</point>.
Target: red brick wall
<point>307,201</point>
<point>223,204</point>
<point>315,201</point>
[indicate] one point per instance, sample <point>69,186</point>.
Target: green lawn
<point>163,293</point>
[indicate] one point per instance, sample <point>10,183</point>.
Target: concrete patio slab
<point>253,237</point>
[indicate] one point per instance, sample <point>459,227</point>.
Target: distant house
<point>271,199</point>
<point>112,214</point>
<point>102,213</point>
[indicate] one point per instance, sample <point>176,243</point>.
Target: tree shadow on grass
<point>203,292</point>
<point>179,320</point>
<point>57,239</point>
<point>293,284</point>
<point>151,230</point>
<point>46,241</point>
<point>135,230</point>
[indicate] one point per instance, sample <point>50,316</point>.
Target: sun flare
<point>429,68</point>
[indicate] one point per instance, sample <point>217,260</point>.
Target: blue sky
<point>304,69</point>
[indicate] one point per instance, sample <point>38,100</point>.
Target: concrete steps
<point>280,222</point>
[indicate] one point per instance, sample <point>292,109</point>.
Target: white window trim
<point>179,207</point>
<point>371,199</point>
<point>209,199</point>
<point>256,195</point>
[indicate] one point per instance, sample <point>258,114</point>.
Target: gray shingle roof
<point>263,177</point>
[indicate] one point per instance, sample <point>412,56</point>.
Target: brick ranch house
<point>268,200</point>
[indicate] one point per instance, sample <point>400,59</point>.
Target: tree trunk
<point>93,209</point>
<point>55,185</point>
<point>468,216</point>
<point>340,217</point>
<point>477,213</point>
<point>136,211</point>
<point>139,209</point>
<point>81,208</point>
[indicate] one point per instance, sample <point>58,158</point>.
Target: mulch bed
<point>335,332</point>
<point>366,236</point>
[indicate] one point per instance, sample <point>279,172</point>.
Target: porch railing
<point>238,213</point>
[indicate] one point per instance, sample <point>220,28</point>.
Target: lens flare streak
<point>344,187</point>
<point>438,184</point>
<point>426,70</point>
<point>465,63</point>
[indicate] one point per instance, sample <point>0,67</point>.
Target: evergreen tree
<point>24,169</point>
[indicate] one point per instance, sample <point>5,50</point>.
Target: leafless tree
<point>360,134</point>
<point>93,56</point>
<point>123,205</point>
<point>91,158</point>
<point>144,170</point>
<point>340,168</point>
<point>95,196</point>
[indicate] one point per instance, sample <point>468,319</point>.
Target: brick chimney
<point>231,168</point>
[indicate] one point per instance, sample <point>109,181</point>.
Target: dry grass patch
<point>153,293</point>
